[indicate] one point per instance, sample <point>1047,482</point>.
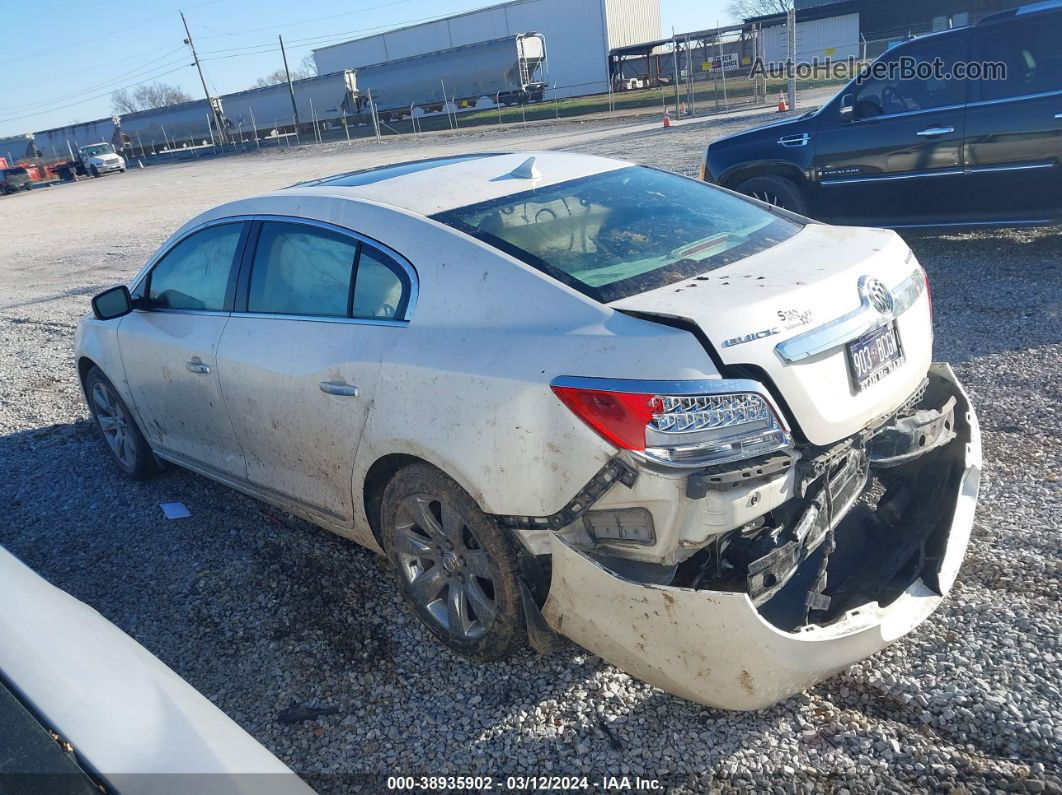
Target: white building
<point>579,35</point>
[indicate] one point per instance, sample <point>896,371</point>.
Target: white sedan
<point>702,437</point>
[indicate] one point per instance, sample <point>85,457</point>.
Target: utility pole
<point>195,57</point>
<point>291,88</point>
<point>674,56</point>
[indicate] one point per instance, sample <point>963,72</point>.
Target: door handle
<point>339,388</point>
<point>930,131</point>
<point>196,366</point>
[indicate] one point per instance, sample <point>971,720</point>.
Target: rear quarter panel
<point>467,386</point>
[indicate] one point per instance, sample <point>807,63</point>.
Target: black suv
<point>892,152</point>
<point>14,179</point>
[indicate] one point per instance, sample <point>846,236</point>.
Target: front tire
<point>455,567</point>
<point>777,191</point>
<point>94,171</point>
<point>119,430</point>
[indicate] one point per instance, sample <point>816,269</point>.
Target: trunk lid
<point>806,284</point>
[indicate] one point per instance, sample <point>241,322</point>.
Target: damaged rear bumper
<point>717,648</point>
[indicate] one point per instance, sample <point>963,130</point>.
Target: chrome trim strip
<point>962,224</point>
<point>853,325</point>
<point>206,312</point>
<point>1018,167</point>
<point>949,172</point>
<point>1007,100</point>
<point>356,321</point>
<point>906,113</point>
<point>703,386</point>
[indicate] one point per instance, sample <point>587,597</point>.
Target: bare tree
<point>145,97</point>
<point>122,102</point>
<point>309,65</point>
<point>279,76</point>
<point>743,9</point>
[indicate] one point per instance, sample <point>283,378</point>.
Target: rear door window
<point>195,274</point>
<point>381,287</point>
<point>894,92</point>
<point>301,270</point>
<point>1031,52</point>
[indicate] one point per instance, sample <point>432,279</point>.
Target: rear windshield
<point>14,172</point>
<point>623,232</point>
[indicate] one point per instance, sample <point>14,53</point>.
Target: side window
<point>1031,53</point>
<point>381,286</point>
<point>301,270</point>
<point>195,272</point>
<point>895,88</point>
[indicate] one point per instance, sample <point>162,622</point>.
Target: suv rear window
<point>623,232</point>
<point>14,172</point>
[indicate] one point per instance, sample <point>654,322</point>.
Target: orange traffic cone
<point>782,106</point>
<point>667,119</point>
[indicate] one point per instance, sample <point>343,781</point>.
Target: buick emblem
<point>878,294</point>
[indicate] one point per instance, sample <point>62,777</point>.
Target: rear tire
<point>777,191</point>
<point>455,567</point>
<point>118,428</point>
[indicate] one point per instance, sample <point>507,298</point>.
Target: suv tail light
<point>681,423</point>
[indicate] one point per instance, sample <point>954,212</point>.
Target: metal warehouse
<point>578,36</point>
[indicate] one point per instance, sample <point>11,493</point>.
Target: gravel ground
<point>260,611</point>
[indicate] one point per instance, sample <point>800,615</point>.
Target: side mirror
<point>112,303</point>
<point>847,108</point>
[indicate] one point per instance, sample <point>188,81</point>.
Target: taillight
<point>696,429</point>
<point>619,417</point>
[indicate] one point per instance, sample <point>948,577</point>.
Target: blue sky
<point>58,68</point>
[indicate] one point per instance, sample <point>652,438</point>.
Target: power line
<point>98,96</point>
<point>309,21</point>
<point>99,36</point>
<point>116,79</point>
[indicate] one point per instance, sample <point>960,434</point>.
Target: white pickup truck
<point>99,159</point>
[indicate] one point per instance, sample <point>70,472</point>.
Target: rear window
<point>14,172</point>
<point>623,232</point>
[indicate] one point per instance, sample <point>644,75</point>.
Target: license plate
<point>873,356</point>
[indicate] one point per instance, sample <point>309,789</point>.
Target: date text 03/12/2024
<point>523,783</point>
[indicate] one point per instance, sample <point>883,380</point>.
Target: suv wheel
<point>116,425</point>
<point>94,171</point>
<point>455,567</point>
<point>777,191</point>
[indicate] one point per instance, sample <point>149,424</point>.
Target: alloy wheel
<point>768,198</point>
<point>115,424</point>
<point>446,570</point>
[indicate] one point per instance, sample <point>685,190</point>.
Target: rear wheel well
<point>376,480</point>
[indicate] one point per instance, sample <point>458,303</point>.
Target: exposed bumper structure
<point>716,648</point>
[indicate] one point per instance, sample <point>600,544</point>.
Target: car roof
<point>1013,13</point>
<point>438,184</point>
